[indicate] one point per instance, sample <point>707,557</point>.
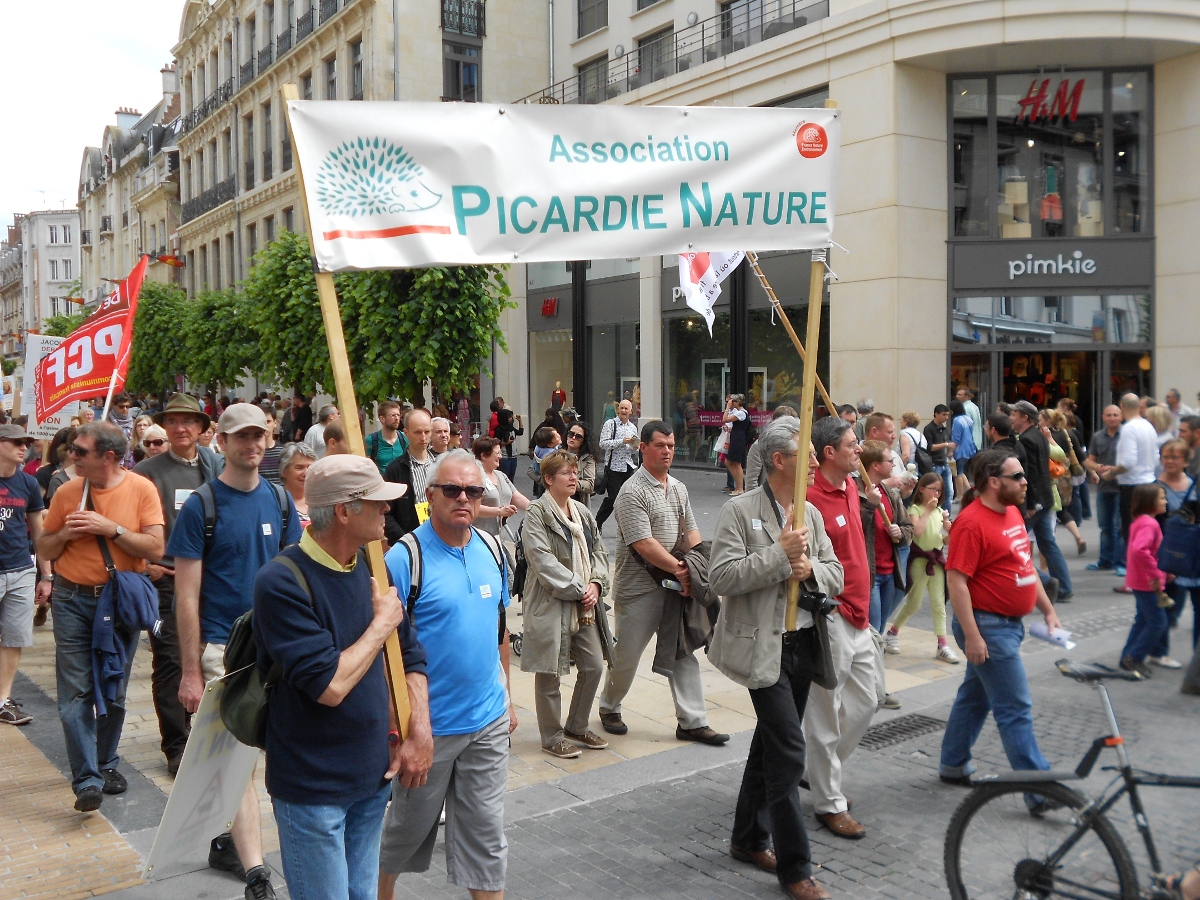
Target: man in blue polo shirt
<point>214,585</point>
<point>455,614</point>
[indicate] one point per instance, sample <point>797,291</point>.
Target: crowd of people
<point>178,519</point>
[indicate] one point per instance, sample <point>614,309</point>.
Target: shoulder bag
<point>1179,552</point>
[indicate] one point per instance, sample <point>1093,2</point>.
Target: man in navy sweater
<point>333,743</point>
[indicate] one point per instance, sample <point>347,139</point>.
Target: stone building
<point>1015,190</point>
<point>38,262</point>
<point>129,194</point>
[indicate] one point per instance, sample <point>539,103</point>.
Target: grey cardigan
<point>750,571</point>
<point>550,606</point>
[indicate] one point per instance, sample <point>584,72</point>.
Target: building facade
<point>129,195</point>
<point>38,264</point>
<point>238,175</point>
<point>12,283</point>
<point>1014,194</point>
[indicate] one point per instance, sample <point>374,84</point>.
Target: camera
<point>816,602</point>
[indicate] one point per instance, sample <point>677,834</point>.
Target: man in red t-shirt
<point>993,585</point>
<point>836,720</point>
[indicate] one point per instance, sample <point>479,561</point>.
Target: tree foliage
<point>164,317</point>
<point>61,326</point>
<point>220,344</point>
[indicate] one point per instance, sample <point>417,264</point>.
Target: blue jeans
<point>947,486</point>
<point>1042,526</point>
<point>1151,625</point>
<point>1000,687</point>
<point>1179,593</point>
<point>508,465</point>
<point>332,852</point>
<point>1085,499</point>
<point>1108,516</point>
<point>883,601</point>
<point>91,741</point>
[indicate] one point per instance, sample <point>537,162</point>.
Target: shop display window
<point>776,370</point>
<point>1071,319</point>
<point>1129,373</point>
<point>1045,377</point>
<point>696,380</point>
<point>969,101</point>
<point>550,362</point>
<point>1131,150</point>
<point>616,364</point>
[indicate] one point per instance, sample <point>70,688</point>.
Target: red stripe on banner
<point>387,232</point>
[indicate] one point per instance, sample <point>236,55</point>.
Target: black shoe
<point>173,764</point>
<point>1129,664</point>
<point>88,799</point>
<point>114,782</point>
<point>1065,598</point>
<point>613,723</point>
<point>702,735</point>
<point>959,780</point>
<point>258,884</point>
<point>1043,806</point>
<point>223,856</point>
<point>1052,590</point>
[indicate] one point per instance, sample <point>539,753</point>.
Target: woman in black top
<point>738,419</point>
<point>508,427</point>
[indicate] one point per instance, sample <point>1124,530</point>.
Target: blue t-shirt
<point>455,620</point>
<point>245,539</point>
<point>19,494</point>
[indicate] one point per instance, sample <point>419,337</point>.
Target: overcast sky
<point>65,67</point>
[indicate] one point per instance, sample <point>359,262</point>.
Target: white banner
<point>208,789</point>
<point>393,185</point>
<point>38,346</point>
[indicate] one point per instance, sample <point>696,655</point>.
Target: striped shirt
<point>646,509</point>
<point>612,441</point>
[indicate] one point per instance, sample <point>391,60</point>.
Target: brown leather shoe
<point>764,859</point>
<point>843,825</point>
<point>613,723</point>
<point>589,739</point>
<point>702,735</point>
<point>808,889</point>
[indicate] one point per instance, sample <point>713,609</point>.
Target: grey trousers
<point>589,661</point>
<point>637,622</point>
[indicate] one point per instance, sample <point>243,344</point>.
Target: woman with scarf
<point>562,608</point>
<point>119,415</point>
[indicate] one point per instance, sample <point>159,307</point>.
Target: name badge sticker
<point>181,494</point>
<point>841,520</point>
<point>756,524</point>
<point>485,591</point>
<point>266,529</point>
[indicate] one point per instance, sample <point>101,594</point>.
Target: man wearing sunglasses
<point>993,585</point>
<point>122,511</point>
<point>470,711</point>
<point>21,513</point>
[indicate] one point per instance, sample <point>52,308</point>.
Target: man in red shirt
<point>993,585</point>
<point>836,720</point>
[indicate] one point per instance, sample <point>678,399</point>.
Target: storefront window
<point>1128,319</point>
<point>1043,378</point>
<point>613,351</point>
<point>969,97</point>
<point>973,320</point>
<point>1129,373</point>
<point>550,362</point>
<point>546,274</point>
<point>1131,163</point>
<point>974,371</point>
<point>611,268</point>
<point>776,370</point>
<point>1050,154</point>
<point>696,372</point>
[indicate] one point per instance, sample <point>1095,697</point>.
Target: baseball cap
<point>14,433</point>
<point>239,416</point>
<point>344,477</point>
<point>1024,406</point>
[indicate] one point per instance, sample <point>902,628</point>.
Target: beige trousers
<point>589,670</point>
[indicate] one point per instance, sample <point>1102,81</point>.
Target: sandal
<point>1171,886</point>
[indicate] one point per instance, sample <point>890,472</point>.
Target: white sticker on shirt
<point>181,494</point>
<point>266,529</point>
<point>485,591</point>
<point>756,524</point>
<point>841,520</point>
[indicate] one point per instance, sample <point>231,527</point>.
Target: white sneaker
<point>1164,662</point>
<point>946,654</point>
<point>891,643</point>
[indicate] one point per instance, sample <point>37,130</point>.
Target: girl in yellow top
<point>926,567</point>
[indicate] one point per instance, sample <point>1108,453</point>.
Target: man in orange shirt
<point>123,510</point>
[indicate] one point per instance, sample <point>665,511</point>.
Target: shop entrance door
<point>975,371</point>
<point>1043,377</point>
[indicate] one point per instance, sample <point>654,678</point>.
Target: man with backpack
<point>387,443</point>
<point>225,532</point>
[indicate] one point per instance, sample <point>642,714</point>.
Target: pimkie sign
<point>394,185</point>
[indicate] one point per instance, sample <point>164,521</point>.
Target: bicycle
<point>1029,836</point>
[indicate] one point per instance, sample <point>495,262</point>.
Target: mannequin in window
<point>558,397</point>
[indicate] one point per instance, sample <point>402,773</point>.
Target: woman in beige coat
<point>562,611</point>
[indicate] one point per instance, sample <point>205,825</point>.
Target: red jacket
<point>843,524</point>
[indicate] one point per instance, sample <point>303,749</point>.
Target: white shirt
<point>315,438</point>
<point>620,453</point>
<point>1137,452</point>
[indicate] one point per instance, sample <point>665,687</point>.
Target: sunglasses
<point>155,443</point>
<point>451,491</point>
<point>578,435</point>
<point>76,450</point>
<point>25,444</point>
<point>1015,476</point>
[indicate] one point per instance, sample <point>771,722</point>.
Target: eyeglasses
<point>155,443</point>
<point>451,491</point>
<point>25,444</point>
<point>578,435</point>
<point>1015,476</point>
<point>76,450</point>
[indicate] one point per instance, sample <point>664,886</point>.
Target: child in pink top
<point>1144,578</point>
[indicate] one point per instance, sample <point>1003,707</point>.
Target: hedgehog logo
<point>371,176</point>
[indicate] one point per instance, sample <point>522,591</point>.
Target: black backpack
<point>209,501</point>
<point>414,564</point>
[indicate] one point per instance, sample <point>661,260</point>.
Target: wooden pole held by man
<point>343,380</point>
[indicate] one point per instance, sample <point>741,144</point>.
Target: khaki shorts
<point>212,661</point>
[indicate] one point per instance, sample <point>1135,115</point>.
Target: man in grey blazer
<point>771,647</point>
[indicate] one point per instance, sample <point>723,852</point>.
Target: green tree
<point>220,344</point>
<point>402,328</point>
<point>61,326</point>
<point>164,318</point>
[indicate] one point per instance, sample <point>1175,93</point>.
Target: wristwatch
<point>47,578</point>
<point>120,531</point>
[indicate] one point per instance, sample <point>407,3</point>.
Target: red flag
<point>172,261</point>
<point>84,363</point>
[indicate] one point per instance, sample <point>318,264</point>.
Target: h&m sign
<point>1064,106</point>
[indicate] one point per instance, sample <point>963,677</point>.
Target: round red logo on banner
<point>811,140</point>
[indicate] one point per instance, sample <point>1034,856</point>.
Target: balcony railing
<point>304,26</point>
<point>85,237</point>
<point>736,27</point>
<point>464,17</point>
<point>210,199</point>
<point>268,167</point>
<point>328,8</point>
<point>266,56</point>
<point>283,42</point>
<point>106,224</point>
<point>247,74</point>
<point>207,106</point>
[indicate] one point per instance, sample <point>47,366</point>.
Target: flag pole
<point>344,384</point>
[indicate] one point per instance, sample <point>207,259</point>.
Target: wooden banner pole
<point>343,381</point>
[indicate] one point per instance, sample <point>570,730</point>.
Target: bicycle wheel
<point>996,848</point>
